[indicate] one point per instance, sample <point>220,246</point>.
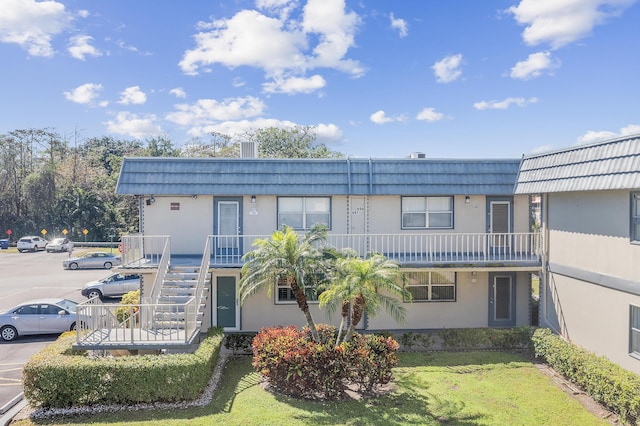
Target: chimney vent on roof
<point>248,149</point>
<point>417,155</point>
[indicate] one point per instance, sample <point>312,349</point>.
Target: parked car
<point>45,316</point>
<point>59,245</point>
<point>115,285</point>
<point>93,259</point>
<point>31,243</point>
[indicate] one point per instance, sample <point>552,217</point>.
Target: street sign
<point>65,232</point>
<point>43,232</point>
<point>9,232</point>
<point>85,231</point>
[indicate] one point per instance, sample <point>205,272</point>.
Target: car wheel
<point>94,293</point>
<point>8,333</point>
<point>19,251</point>
<point>73,265</point>
<point>107,265</point>
<point>73,327</point>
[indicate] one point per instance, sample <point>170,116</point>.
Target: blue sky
<point>377,78</point>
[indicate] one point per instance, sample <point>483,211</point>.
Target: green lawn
<point>465,388</point>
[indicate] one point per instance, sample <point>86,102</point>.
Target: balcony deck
<point>513,250</point>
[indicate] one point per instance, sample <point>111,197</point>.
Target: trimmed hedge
<point>603,380</point>
<point>468,339</point>
<point>58,377</point>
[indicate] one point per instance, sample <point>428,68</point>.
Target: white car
<point>115,285</point>
<point>60,245</point>
<point>31,243</point>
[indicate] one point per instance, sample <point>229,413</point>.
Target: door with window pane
<point>228,227</point>
<point>502,299</point>
<point>226,311</point>
<point>499,224</point>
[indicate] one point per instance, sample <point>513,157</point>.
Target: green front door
<point>226,302</point>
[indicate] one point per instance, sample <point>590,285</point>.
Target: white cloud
<point>135,126</point>
<point>132,95</point>
<point>560,22</point>
<point>80,47</point>
<point>504,104</point>
<point>380,117</point>
<point>33,24</point>
<point>319,37</point>
<point>328,134</point>
<point>178,92</point>
<point>533,66</point>
<point>295,85</point>
<point>249,38</point>
<point>430,114</point>
<point>400,25</point>
<point>85,94</point>
<point>598,136</point>
<point>447,69</point>
<point>282,8</point>
<point>210,111</point>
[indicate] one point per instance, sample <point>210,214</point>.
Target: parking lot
<point>27,276</point>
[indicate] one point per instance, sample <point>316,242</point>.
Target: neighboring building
<point>460,235</point>
<point>590,288</point>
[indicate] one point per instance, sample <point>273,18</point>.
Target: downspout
<point>370,176</point>
<point>348,176</point>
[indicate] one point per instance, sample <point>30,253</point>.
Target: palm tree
<point>286,256</point>
<point>356,289</point>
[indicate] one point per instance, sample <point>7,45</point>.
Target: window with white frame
<point>304,212</point>
<point>427,212</point>
<point>634,331</point>
<point>431,286</point>
<point>635,217</point>
<point>284,294</point>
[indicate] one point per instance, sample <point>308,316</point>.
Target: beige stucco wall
<point>592,317</point>
<point>471,309</point>
<point>590,231</point>
<point>188,227</point>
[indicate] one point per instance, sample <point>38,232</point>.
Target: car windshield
<point>57,241</point>
<point>69,305</point>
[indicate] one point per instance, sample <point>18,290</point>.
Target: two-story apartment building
<point>590,288</point>
<point>460,235</point>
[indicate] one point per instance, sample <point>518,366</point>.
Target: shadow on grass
<point>411,403</point>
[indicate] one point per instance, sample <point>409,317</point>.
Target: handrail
<point>99,324</point>
<point>163,268</point>
<point>410,248</point>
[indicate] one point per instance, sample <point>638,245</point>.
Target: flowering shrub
<point>296,365</point>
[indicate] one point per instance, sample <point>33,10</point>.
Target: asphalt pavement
<point>26,276</point>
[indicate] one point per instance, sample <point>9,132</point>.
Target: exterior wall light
<point>467,199</point>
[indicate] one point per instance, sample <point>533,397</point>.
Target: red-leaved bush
<point>296,365</point>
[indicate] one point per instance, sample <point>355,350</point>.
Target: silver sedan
<point>94,259</point>
<point>44,316</point>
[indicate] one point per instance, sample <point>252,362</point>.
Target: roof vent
<point>417,155</point>
<point>248,149</point>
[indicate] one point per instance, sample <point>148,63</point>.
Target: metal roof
<point>613,164</point>
<point>345,176</point>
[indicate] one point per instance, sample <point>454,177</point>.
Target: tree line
<point>53,182</point>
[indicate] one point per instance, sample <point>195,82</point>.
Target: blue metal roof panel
<point>613,164</point>
<point>176,176</point>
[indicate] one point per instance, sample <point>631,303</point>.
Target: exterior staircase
<point>180,284</point>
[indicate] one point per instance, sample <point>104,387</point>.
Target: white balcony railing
<point>118,326</point>
<point>418,249</point>
<point>408,249</point>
